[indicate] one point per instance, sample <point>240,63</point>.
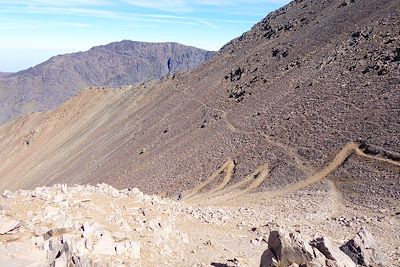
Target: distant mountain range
<point>5,74</point>
<point>296,122</point>
<point>121,63</point>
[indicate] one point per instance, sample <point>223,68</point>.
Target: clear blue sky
<point>33,30</point>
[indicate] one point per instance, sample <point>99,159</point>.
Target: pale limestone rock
<point>91,227</point>
<point>289,248</point>
<point>332,253</point>
<point>7,225</point>
<point>184,238</point>
<point>61,261</point>
<point>20,262</point>
<point>7,194</point>
<point>133,249</point>
<point>54,248</point>
<point>69,245</point>
<point>81,247</point>
<point>38,241</point>
<point>22,254</point>
<point>105,245</point>
<point>89,243</point>
<point>120,247</point>
<point>64,188</point>
<point>120,222</point>
<point>364,250</point>
<point>319,259</point>
<point>59,198</point>
<point>40,231</point>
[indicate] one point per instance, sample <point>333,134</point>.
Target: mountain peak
<point>120,63</point>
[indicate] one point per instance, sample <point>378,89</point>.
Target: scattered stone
<point>364,250</point>
<point>7,225</point>
<point>7,194</point>
<point>133,248</point>
<point>268,259</point>
<point>157,233</point>
<point>332,253</point>
<point>105,245</point>
<point>290,249</point>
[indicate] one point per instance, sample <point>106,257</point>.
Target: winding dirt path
<point>253,181</point>
<point>228,167</point>
<point>238,192</point>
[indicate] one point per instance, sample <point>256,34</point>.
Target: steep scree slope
<point>121,63</point>
<point>305,81</point>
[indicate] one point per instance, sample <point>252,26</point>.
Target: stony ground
<point>305,81</point>
<point>109,227</point>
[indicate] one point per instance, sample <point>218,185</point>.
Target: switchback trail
<point>242,191</point>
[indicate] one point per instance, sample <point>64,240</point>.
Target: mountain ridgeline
<point>293,125</point>
<point>310,92</point>
<point>51,83</point>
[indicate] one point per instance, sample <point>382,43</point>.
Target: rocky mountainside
<point>5,74</point>
<point>296,121</point>
<point>287,95</point>
<point>309,97</point>
<point>51,83</point>
<point>102,226</point>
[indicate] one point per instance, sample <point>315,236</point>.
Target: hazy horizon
<point>39,29</point>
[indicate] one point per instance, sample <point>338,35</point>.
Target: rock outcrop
<point>364,250</point>
<point>85,225</point>
<point>289,249</point>
<point>290,93</point>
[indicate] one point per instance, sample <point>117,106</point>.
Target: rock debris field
<point>102,226</point>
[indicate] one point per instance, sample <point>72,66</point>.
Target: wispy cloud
<point>178,11</point>
<point>56,3</point>
<point>12,24</point>
<point>179,6</point>
<point>170,6</point>
<point>80,24</point>
<point>103,14</point>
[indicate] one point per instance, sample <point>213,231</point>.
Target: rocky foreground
<point>102,226</point>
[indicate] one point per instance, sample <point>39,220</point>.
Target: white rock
<point>61,261</point>
<point>69,244</point>
<point>120,222</point>
<point>38,241</point>
<point>120,248</point>
<point>39,231</point>
<point>91,227</point>
<point>64,188</point>
<point>105,245</point>
<point>332,252</point>
<point>133,249</point>
<point>58,198</point>
<point>8,194</point>
<point>80,247</point>
<point>89,243</point>
<point>7,225</point>
<point>184,238</point>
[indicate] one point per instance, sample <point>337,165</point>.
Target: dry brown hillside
<point>289,94</point>
<point>47,85</point>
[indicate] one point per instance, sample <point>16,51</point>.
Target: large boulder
<point>268,259</point>
<point>286,248</point>
<point>290,249</point>
<point>332,254</point>
<point>364,250</point>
